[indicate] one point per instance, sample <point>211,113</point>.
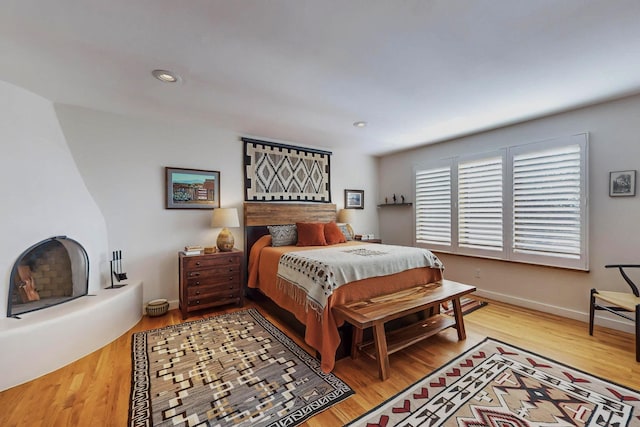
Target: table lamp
<point>346,216</point>
<point>225,217</point>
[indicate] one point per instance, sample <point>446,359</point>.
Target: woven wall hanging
<point>278,173</point>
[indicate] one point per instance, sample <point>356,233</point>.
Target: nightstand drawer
<point>207,261</point>
<point>218,291</point>
<point>210,303</point>
<point>213,273</point>
<point>220,279</point>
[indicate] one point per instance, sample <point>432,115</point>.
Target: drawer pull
<point>197,283</point>
<point>194,274</point>
<point>197,262</point>
<point>197,292</point>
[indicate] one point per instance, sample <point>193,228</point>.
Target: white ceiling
<point>302,71</point>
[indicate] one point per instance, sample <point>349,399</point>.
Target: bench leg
<point>356,340</point>
<point>380,341</point>
<point>457,310</point>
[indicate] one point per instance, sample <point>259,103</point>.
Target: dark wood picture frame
<point>354,199</point>
<point>191,188</point>
<point>622,183</point>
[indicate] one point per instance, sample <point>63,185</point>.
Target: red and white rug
<point>498,385</point>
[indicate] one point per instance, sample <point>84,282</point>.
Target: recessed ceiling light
<point>165,76</point>
<point>360,124</point>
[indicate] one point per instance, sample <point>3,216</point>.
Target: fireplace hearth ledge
<point>43,341</point>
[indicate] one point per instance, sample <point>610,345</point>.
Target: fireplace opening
<point>49,273</point>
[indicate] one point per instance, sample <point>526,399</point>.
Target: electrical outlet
<point>476,273</point>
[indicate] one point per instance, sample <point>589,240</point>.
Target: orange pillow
<point>310,234</point>
<point>333,234</point>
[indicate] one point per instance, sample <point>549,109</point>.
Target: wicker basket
<point>157,307</point>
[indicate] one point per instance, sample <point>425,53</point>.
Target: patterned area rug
<point>235,369</point>
<point>498,385</point>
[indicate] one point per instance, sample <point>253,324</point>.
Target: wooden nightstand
<point>210,280</point>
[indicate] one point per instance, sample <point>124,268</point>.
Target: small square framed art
<point>354,199</point>
<point>622,183</point>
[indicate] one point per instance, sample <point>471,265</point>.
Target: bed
<point>321,330</point>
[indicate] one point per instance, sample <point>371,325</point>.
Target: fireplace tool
<point>116,269</point>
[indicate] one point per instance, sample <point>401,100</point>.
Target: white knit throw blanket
<point>317,273</point>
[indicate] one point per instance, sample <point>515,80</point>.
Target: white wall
<point>43,194</point>
<point>614,138</point>
<point>122,160</point>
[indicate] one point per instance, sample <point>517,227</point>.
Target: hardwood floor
<point>94,391</point>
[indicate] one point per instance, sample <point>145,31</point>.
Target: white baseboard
<point>609,322</point>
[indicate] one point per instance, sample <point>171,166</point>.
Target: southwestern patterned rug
<point>498,385</point>
<point>235,369</point>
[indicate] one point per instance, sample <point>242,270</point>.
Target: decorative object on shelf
<point>402,197</point>
<point>277,173</point>
<point>354,199</point>
<point>622,183</point>
<point>210,249</point>
<point>116,270</point>
<point>157,307</point>
<point>346,216</point>
<point>192,189</point>
<point>386,200</point>
<point>225,217</point>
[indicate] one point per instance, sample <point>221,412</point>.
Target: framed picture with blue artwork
<point>354,199</point>
<point>192,188</point>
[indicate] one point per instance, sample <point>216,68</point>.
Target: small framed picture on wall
<point>354,199</point>
<point>622,183</point>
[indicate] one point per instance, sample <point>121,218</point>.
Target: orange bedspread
<point>322,330</point>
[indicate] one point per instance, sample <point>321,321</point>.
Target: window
<point>480,204</point>
<point>524,203</point>
<point>433,206</point>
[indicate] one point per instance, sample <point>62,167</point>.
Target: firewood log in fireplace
<point>27,285</point>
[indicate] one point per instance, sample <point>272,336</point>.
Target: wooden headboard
<point>257,215</point>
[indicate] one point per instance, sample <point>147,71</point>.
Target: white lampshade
<point>225,217</point>
<point>345,216</point>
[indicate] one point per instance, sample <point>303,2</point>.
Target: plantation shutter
<point>433,206</point>
<point>547,213</point>
<point>480,204</point>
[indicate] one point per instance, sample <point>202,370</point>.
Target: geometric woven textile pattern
<point>498,385</point>
<point>277,172</point>
<point>234,369</point>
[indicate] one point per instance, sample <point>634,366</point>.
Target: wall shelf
<point>395,204</point>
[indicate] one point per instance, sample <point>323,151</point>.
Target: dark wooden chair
<point>618,303</point>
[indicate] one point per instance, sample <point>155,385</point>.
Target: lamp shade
<point>225,217</point>
<point>345,216</point>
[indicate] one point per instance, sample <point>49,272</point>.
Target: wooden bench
<point>375,312</point>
